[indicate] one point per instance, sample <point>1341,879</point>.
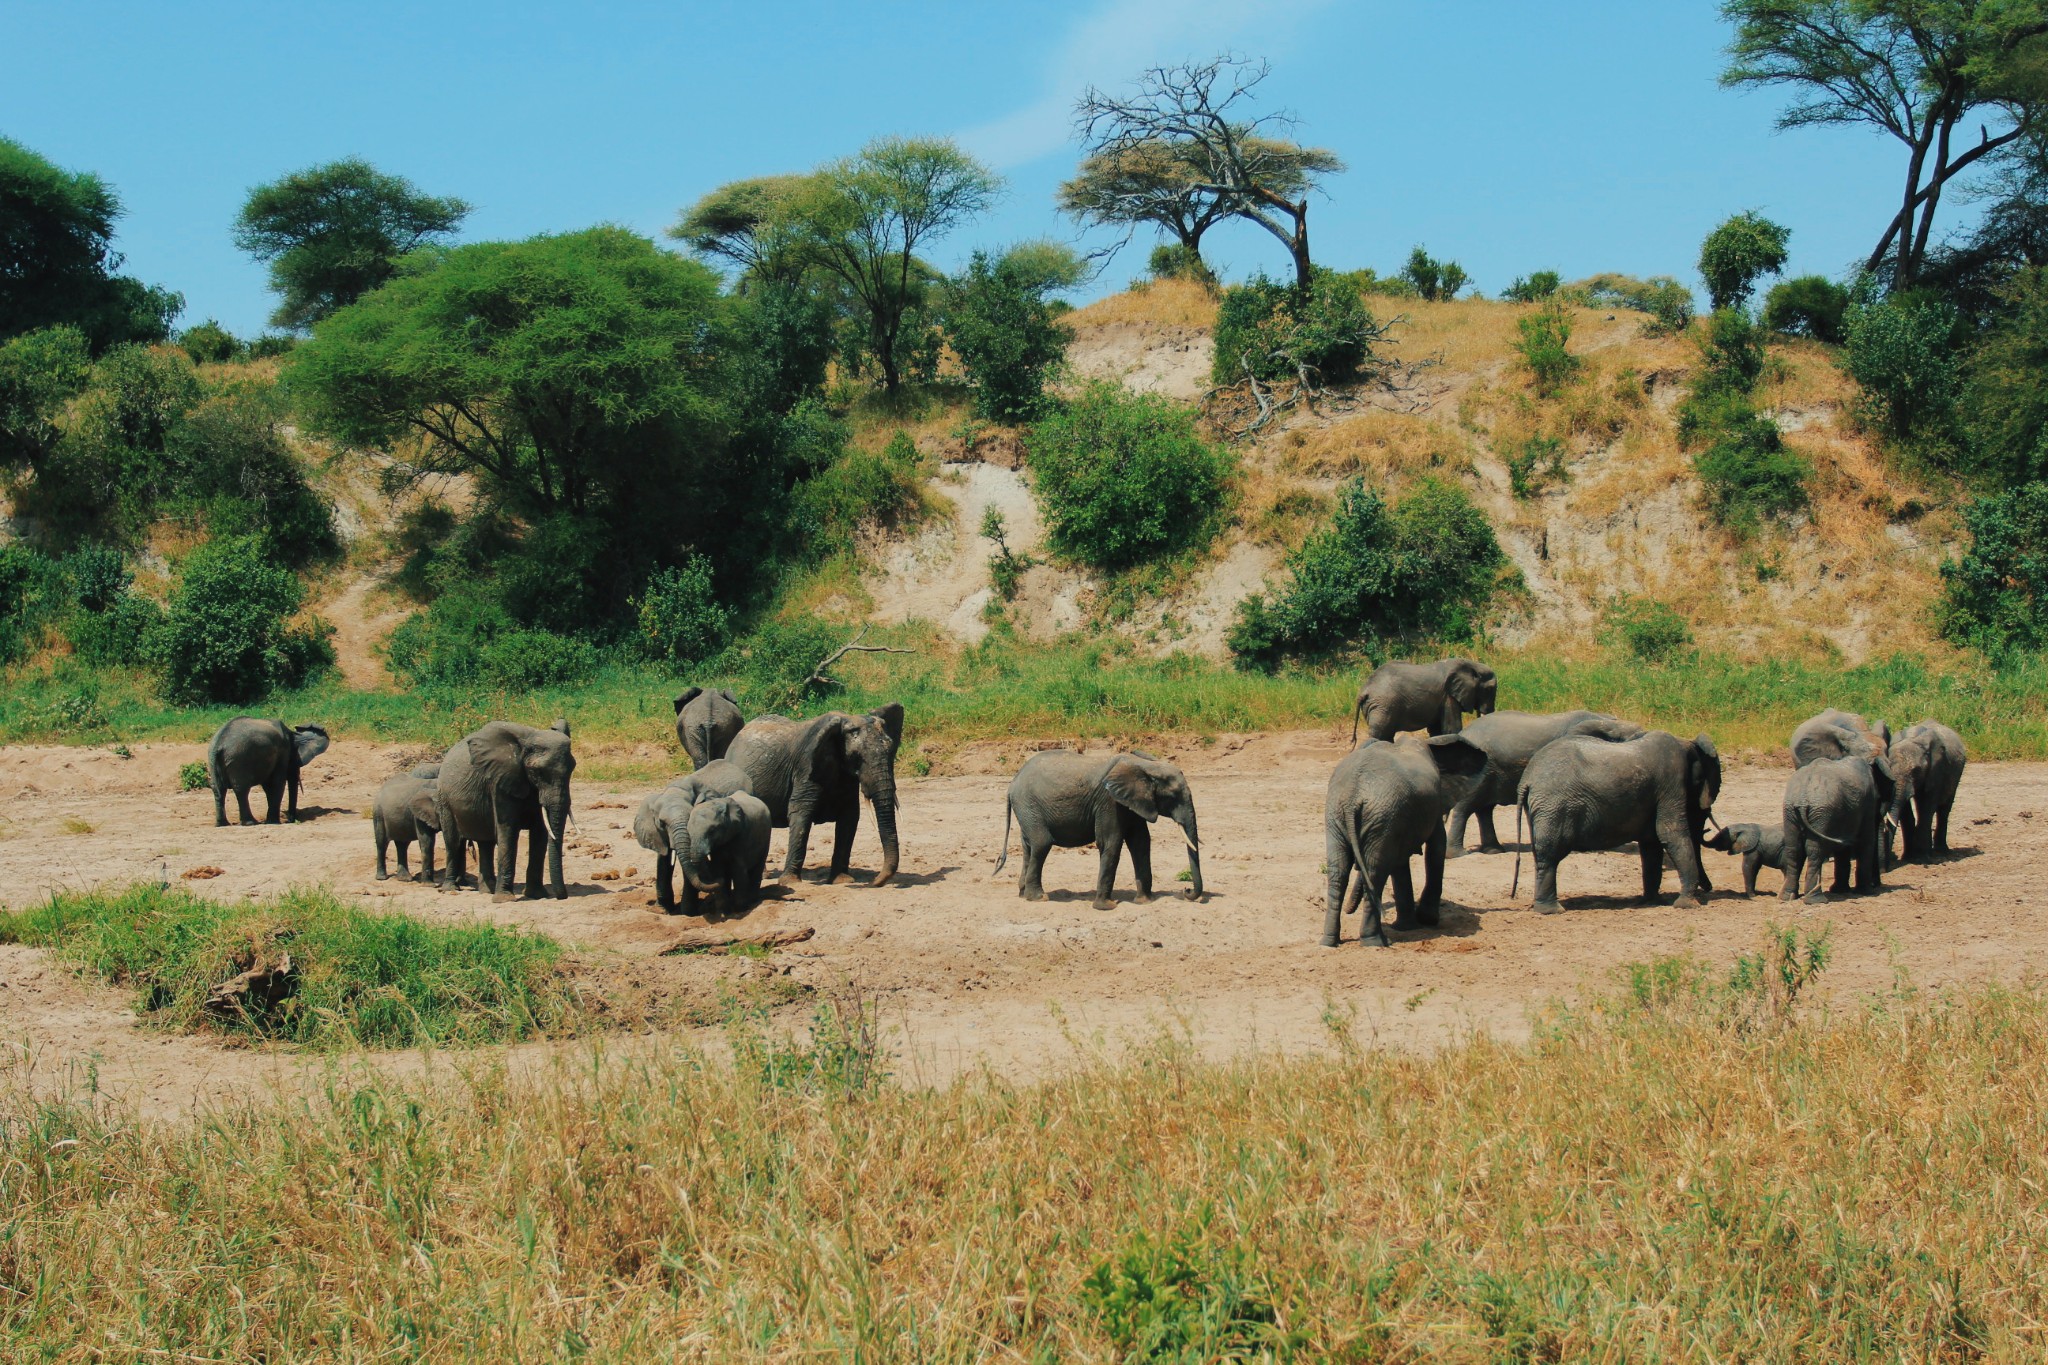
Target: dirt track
<point>971,974</point>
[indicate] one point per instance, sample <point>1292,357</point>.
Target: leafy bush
<point>117,636</point>
<point>519,660</point>
<point>862,488</point>
<point>466,640</point>
<point>681,620</point>
<point>1644,628</point>
<point>1739,252</point>
<point>193,777</point>
<point>1536,465</point>
<point>225,637</point>
<point>1124,479</point>
<point>99,575</point>
<point>776,661</point>
<point>1903,352</point>
<point>1174,261</point>
<point>1545,333</point>
<point>2007,401</point>
<point>1366,280</point>
<point>33,594</point>
<point>1534,287</point>
<point>1434,279</point>
<point>209,343</point>
<point>1002,327</point>
<point>1265,329</point>
<point>272,344</point>
<point>1749,476</point>
<point>1184,1300</point>
<point>1424,569</point>
<point>1809,306</point>
<point>1995,597</point>
<point>40,373</point>
<point>1668,302</point>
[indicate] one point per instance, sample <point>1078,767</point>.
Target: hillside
<point>1852,579</point>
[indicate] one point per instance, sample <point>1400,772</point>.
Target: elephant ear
<point>726,692</point>
<point>501,758</point>
<point>647,826</point>
<point>1463,685</point>
<point>1609,728</point>
<point>1748,839</point>
<point>1456,756</point>
<point>561,724</point>
<point>309,741</point>
<point>891,717</point>
<point>1131,784</point>
<point>689,695</point>
<point>1887,785</point>
<point>1704,760</point>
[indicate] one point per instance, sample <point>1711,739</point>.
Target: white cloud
<point>1111,46</point>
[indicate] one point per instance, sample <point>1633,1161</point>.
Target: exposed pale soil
<point>968,973</point>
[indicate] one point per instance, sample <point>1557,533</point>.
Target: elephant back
<point>248,749</point>
<point>765,750</point>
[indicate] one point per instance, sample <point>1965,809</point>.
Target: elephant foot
<point>560,893</point>
<point>1329,940</point>
<point>1198,897</point>
<point>1491,848</point>
<point>1685,902</point>
<point>885,878</point>
<point>840,879</point>
<point>1425,919</point>
<point>500,897</point>
<point>1032,893</point>
<point>1816,898</point>
<point>1142,898</point>
<point>1459,852</point>
<point>1104,903</point>
<point>790,879</point>
<point>1547,907</point>
<point>383,876</point>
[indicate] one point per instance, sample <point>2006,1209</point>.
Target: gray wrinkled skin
<point>816,770</point>
<point>1385,804</point>
<point>1838,734</point>
<point>1927,767</point>
<point>503,781</point>
<point>1510,739</point>
<point>1431,697</point>
<point>1757,846</point>
<point>662,825</point>
<point>406,809</point>
<point>707,722</point>
<point>247,752</point>
<point>1834,809</point>
<point>1585,795</point>
<point>1061,799</point>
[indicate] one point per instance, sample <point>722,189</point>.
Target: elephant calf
<point>1759,847</point>
<point>1062,799</point>
<point>247,752</point>
<point>1927,766</point>
<point>404,812</point>
<point>1834,808</point>
<point>1433,697</point>
<point>721,850</point>
<point>1583,795</point>
<point>1385,804</point>
<point>1839,734</point>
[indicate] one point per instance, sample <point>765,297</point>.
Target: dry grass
<point>1161,303</point>
<point>1678,1174</point>
<point>1386,447</point>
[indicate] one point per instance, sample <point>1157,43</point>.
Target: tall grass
<point>1005,688</point>
<point>1662,1176</point>
<point>363,979</point>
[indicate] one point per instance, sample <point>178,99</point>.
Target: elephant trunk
<point>1194,841</point>
<point>555,815</point>
<point>882,795</point>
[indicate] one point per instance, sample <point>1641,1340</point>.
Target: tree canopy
<point>756,225</point>
<point>332,233</point>
<point>1166,184</point>
<point>1738,253</point>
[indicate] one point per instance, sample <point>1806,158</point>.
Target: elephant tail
<point>1356,711</point>
<point>217,767</point>
<point>1521,805</point>
<point>1008,811</point>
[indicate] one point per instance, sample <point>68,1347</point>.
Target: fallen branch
<point>719,940</point>
<point>818,676</point>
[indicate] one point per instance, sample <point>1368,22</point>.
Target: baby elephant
<point>247,752</point>
<point>1758,846</point>
<point>405,812</point>
<point>1068,800</point>
<point>711,829</point>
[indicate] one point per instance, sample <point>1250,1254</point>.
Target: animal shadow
<point>1453,921</point>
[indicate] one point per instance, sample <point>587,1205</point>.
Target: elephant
<point>808,770</point>
<point>1385,804</point>
<point>1068,800</point>
<point>1582,794</point>
<point>1838,734</point>
<point>1510,739</point>
<point>247,752</point>
<point>1835,807</point>
<point>503,780</point>
<point>663,823</point>
<point>1759,847</point>
<point>1432,697</point>
<point>1927,766</point>
<point>405,810</point>
<point>706,722</point>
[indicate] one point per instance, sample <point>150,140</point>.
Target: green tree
<point>1002,326</point>
<point>2006,396</point>
<point>332,233</point>
<point>40,373</point>
<point>1920,71</point>
<point>1996,596</point>
<point>1434,279</point>
<point>1737,254</point>
<point>757,225</point>
<point>869,214</point>
<point>1811,306</point>
<point>57,261</point>
<point>209,343</point>
<point>226,636</point>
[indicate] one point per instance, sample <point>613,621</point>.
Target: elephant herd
<point>1581,780</point>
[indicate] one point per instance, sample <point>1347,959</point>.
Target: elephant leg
<point>273,792</point>
<point>1489,838</point>
<point>799,844</point>
<point>1795,864</point>
<point>291,787</point>
<point>507,861</point>
<point>404,872</point>
<point>242,799</point>
<point>1751,862</point>
<point>1374,926</point>
<point>1429,909</point>
<point>1337,859</point>
<point>842,841</point>
<point>220,804</point>
<point>1941,830</point>
<point>536,863</point>
<point>426,856</point>
<point>1546,860</point>
<point>1816,861</point>
<point>377,833</point>
<point>1139,841</point>
<point>1461,814</point>
<point>1031,880</point>
<point>746,888</point>
<point>487,866</point>
<point>456,864</point>
<point>1841,878</point>
<point>1651,854</point>
<point>1403,878</point>
<point>687,903</point>
<point>665,883</point>
<point>1112,852</point>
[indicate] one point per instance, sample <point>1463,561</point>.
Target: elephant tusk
<point>1188,840</point>
<point>548,825</point>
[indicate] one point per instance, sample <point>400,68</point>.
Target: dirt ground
<point>968,974</point>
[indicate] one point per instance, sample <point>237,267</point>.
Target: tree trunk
<point>1304,271</point>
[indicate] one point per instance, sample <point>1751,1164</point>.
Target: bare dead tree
<point>818,676</point>
<point>1195,114</point>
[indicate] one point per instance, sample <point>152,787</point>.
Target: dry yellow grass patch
<point>1386,447</point>
<point>1161,303</point>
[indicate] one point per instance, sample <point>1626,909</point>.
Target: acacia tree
<point>1192,115</point>
<point>1919,70</point>
<point>1164,185</point>
<point>333,233</point>
<point>756,225</point>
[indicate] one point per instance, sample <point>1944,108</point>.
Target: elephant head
<point>1149,788</point>
<point>867,747</point>
<point>1702,784</point>
<point>1736,839</point>
<point>523,764</point>
<point>308,743</point>
<point>1459,764</point>
<point>1467,687</point>
<point>703,851</point>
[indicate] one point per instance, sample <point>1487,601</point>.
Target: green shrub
<point>209,343</point>
<point>1174,261</point>
<point>775,663</point>
<point>1434,279</point>
<point>1536,465</point>
<point>464,639</point>
<point>40,372</point>
<point>1366,280</point>
<point>862,488</point>
<point>1750,477</point>
<point>1809,306</point>
<point>1995,597</point>
<point>1644,628</point>
<point>1001,325</point>
<point>1903,352</point>
<point>1534,287</point>
<point>681,619</point>
<point>99,575</point>
<point>225,637</point>
<point>520,660</point>
<point>1265,329</point>
<point>1185,1300</point>
<point>1545,333</point>
<point>1668,302</point>
<point>1423,570</point>
<point>272,344</point>
<point>2006,400</point>
<point>1123,479</point>
<point>193,777</point>
<point>1738,253</point>
<point>118,636</point>
<point>33,594</point>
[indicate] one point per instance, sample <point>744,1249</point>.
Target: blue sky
<point>1507,135</point>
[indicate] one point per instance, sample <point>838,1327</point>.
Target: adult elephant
<point>1838,734</point>
<point>1062,799</point>
<point>706,723</point>
<point>662,825</point>
<point>805,771</point>
<point>1834,808</point>
<point>1510,739</point>
<point>503,781</point>
<point>1432,697</point>
<point>1927,766</point>
<point>247,752</point>
<point>1385,804</point>
<point>1586,795</point>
